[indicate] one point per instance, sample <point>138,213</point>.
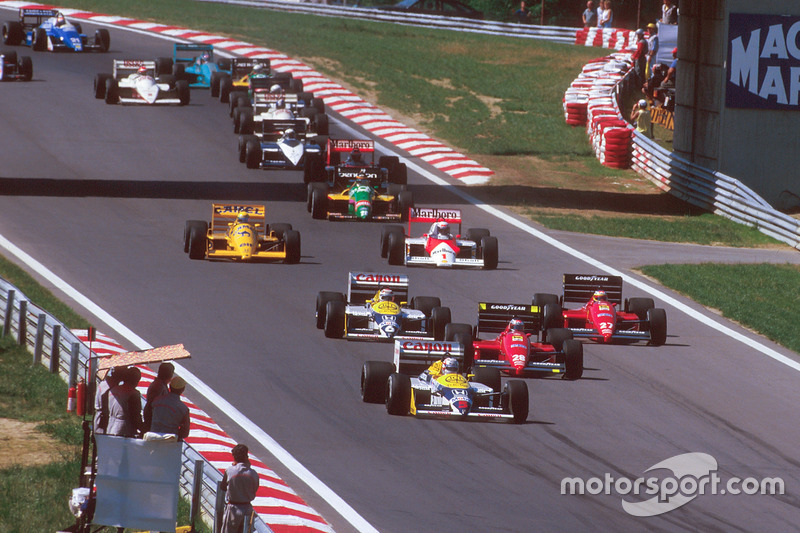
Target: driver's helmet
<point>443,227</point>
<point>276,89</point>
<point>258,67</point>
<point>242,217</point>
<point>450,365</point>
<point>386,295</point>
<point>599,296</point>
<point>60,20</point>
<point>205,57</point>
<point>516,325</point>
<point>142,70</point>
<point>355,155</point>
<point>289,134</point>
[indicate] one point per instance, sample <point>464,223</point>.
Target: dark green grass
<point>703,229</point>
<point>762,297</point>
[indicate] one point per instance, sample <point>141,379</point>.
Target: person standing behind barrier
<point>240,483</point>
<point>159,387</point>
<point>100,421</point>
<point>640,117</point>
<point>652,47</point>
<point>607,18</point>
<point>639,58</point>
<point>523,14</point>
<point>669,13</point>
<point>125,406</point>
<point>589,15</point>
<point>600,10</point>
<point>170,414</point>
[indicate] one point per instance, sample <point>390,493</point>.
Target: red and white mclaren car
<point>442,249</point>
<point>135,82</point>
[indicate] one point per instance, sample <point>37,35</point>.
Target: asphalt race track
<point>99,194</point>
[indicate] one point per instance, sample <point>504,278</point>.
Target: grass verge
<point>493,98</point>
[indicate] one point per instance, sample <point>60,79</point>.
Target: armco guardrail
<point>509,29</point>
<point>593,99</point>
<point>58,348</point>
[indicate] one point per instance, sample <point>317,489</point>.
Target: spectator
<point>240,483</point>
<point>639,58</point>
<point>607,18</point>
<point>159,387</point>
<point>101,399</point>
<point>640,117</point>
<point>669,13</point>
<point>589,15</point>
<point>652,47</point>
<point>600,10</point>
<point>170,414</point>
<point>125,405</point>
<point>523,14</point>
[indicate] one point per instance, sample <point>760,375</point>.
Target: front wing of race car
<point>533,368</point>
<point>416,254</point>
<point>129,95</point>
<point>339,206</point>
<point>628,335</point>
<point>360,325</point>
<point>426,403</point>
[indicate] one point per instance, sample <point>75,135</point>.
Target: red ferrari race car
<point>439,246</point>
<point>603,317</point>
<point>515,343</point>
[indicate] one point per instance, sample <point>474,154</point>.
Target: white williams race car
<point>134,82</point>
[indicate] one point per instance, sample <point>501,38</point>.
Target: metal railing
<point>53,345</point>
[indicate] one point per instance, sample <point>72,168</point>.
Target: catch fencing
<point>55,346</point>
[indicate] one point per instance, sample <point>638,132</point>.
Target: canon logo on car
<point>379,278</point>
<point>429,347</point>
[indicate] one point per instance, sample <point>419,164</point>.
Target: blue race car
<point>48,29</point>
<point>195,64</point>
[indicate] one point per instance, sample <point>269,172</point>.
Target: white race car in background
<point>134,82</point>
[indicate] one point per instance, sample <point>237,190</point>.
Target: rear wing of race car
<point>494,317</point>
<point>580,287</point>
<point>126,67</point>
<point>284,79</point>
<point>362,286</point>
<point>414,356</point>
<point>337,146</point>
<point>263,99</point>
<point>430,215</point>
<point>241,66</point>
<point>195,48</point>
<point>274,128</point>
<point>34,17</point>
<point>224,214</point>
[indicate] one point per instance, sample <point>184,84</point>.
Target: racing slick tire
<point>454,328</point>
<point>541,299</point>
<point>224,63</point>
<point>573,359</point>
<point>242,146</point>
<point>39,43</point>
<point>425,304</point>
<point>517,392</point>
<point>386,230</point>
<point>184,95</point>
<point>237,99</point>
<point>400,175</point>
<point>102,39</point>
<point>187,231</point>
<point>318,193</point>
<point>179,71</point>
<point>163,66</point>
<point>318,104</point>
<point>388,162</point>
<point>112,91</point>
<point>246,121</point>
<point>396,248</point>
<point>440,317</point>
<point>462,334</point>
<point>237,118</point>
<point>321,124</point>
<point>252,153</point>
<point>197,241</point>
<point>12,33</point>
<point>657,322</point>
<point>313,168</point>
<point>476,234</point>
<point>291,243</point>
<point>640,306</point>
<point>374,375</point>
<point>100,85</point>
<point>557,336</point>
<point>225,87</point>
<point>26,68</point>
<point>405,201</point>
<point>295,85</point>
<point>552,317</point>
<point>322,302</point>
<point>490,377</point>
<point>334,319</point>
<point>490,252</point>
<point>216,76</point>
<point>398,394</point>
<point>169,79</point>
<point>11,56</point>
<point>279,229</point>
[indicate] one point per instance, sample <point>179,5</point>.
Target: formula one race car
<point>194,63</point>
<point>48,29</point>
<point>13,68</point>
<point>376,308</point>
<point>239,232</point>
<point>517,346</point>
<point>439,247</point>
<point>409,386</point>
<point>228,87</point>
<point>263,104</point>
<point>283,144</point>
<point>600,318</point>
<point>134,82</point>
<point>357,190</point>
